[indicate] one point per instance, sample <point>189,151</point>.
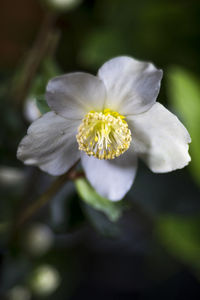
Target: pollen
<point>104,135</point>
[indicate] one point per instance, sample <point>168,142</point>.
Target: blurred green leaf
<point>101,222</point>
<point>180,235</point>
<point>101,45</point>
<point>49,69</point>
<point>42,104</point>
<point>112,210</point>
<point>184,94</point>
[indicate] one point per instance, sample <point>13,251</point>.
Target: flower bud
<point>31,111</point>
<point>61,4</point>
<point>11,176</point>
<point>44,280</point>
<point>38,239</point>
<point>19,293</point>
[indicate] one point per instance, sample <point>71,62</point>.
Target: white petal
<point>50,144</point>
<point>112,179</point>
<point>132,86</point>
<point>160,139</point>
<point>75,94</point>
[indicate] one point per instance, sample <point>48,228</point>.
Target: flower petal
<point>112,179</point>
<point>132,86</point>
<point>75,94</point>
<point>160,139</point>
<point>50,144</point>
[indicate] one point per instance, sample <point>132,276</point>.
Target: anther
<point>104,135</point>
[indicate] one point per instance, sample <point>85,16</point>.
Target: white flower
<point>113,118</point>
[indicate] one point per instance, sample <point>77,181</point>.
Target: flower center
<point>104,135</point>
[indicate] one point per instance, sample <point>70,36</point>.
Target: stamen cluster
<point>104,135</point>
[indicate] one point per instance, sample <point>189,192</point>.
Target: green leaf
<point>184,95</point>
<point>180,236</point>
<point>100,45</point>
<point>49,69</point>
<point>42,104</point>
<point>101,222</point>
<point>112,210</point>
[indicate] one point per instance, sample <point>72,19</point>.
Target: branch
<point>43,46</point>
<point>47,196</point>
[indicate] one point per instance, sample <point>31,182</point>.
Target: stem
<point>43,46</point>
<point>47,196</point>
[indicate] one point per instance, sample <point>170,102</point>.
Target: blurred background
<point>75,246</point>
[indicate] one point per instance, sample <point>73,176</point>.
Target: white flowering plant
<point>107,121</point>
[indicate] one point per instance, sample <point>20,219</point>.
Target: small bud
<point>11,176</point>
<point>31,111</point>
<point>61,4</point>
<point>19,293</point>
<point>44,280</point>
<point>38,239</point>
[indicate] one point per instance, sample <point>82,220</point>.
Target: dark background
<point>153,250</point>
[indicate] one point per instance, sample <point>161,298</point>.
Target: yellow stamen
<point>104,135</point>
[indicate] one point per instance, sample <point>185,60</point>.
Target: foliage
<point>180,236</point>
<point>112,210</point>
<point>184,94</point>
